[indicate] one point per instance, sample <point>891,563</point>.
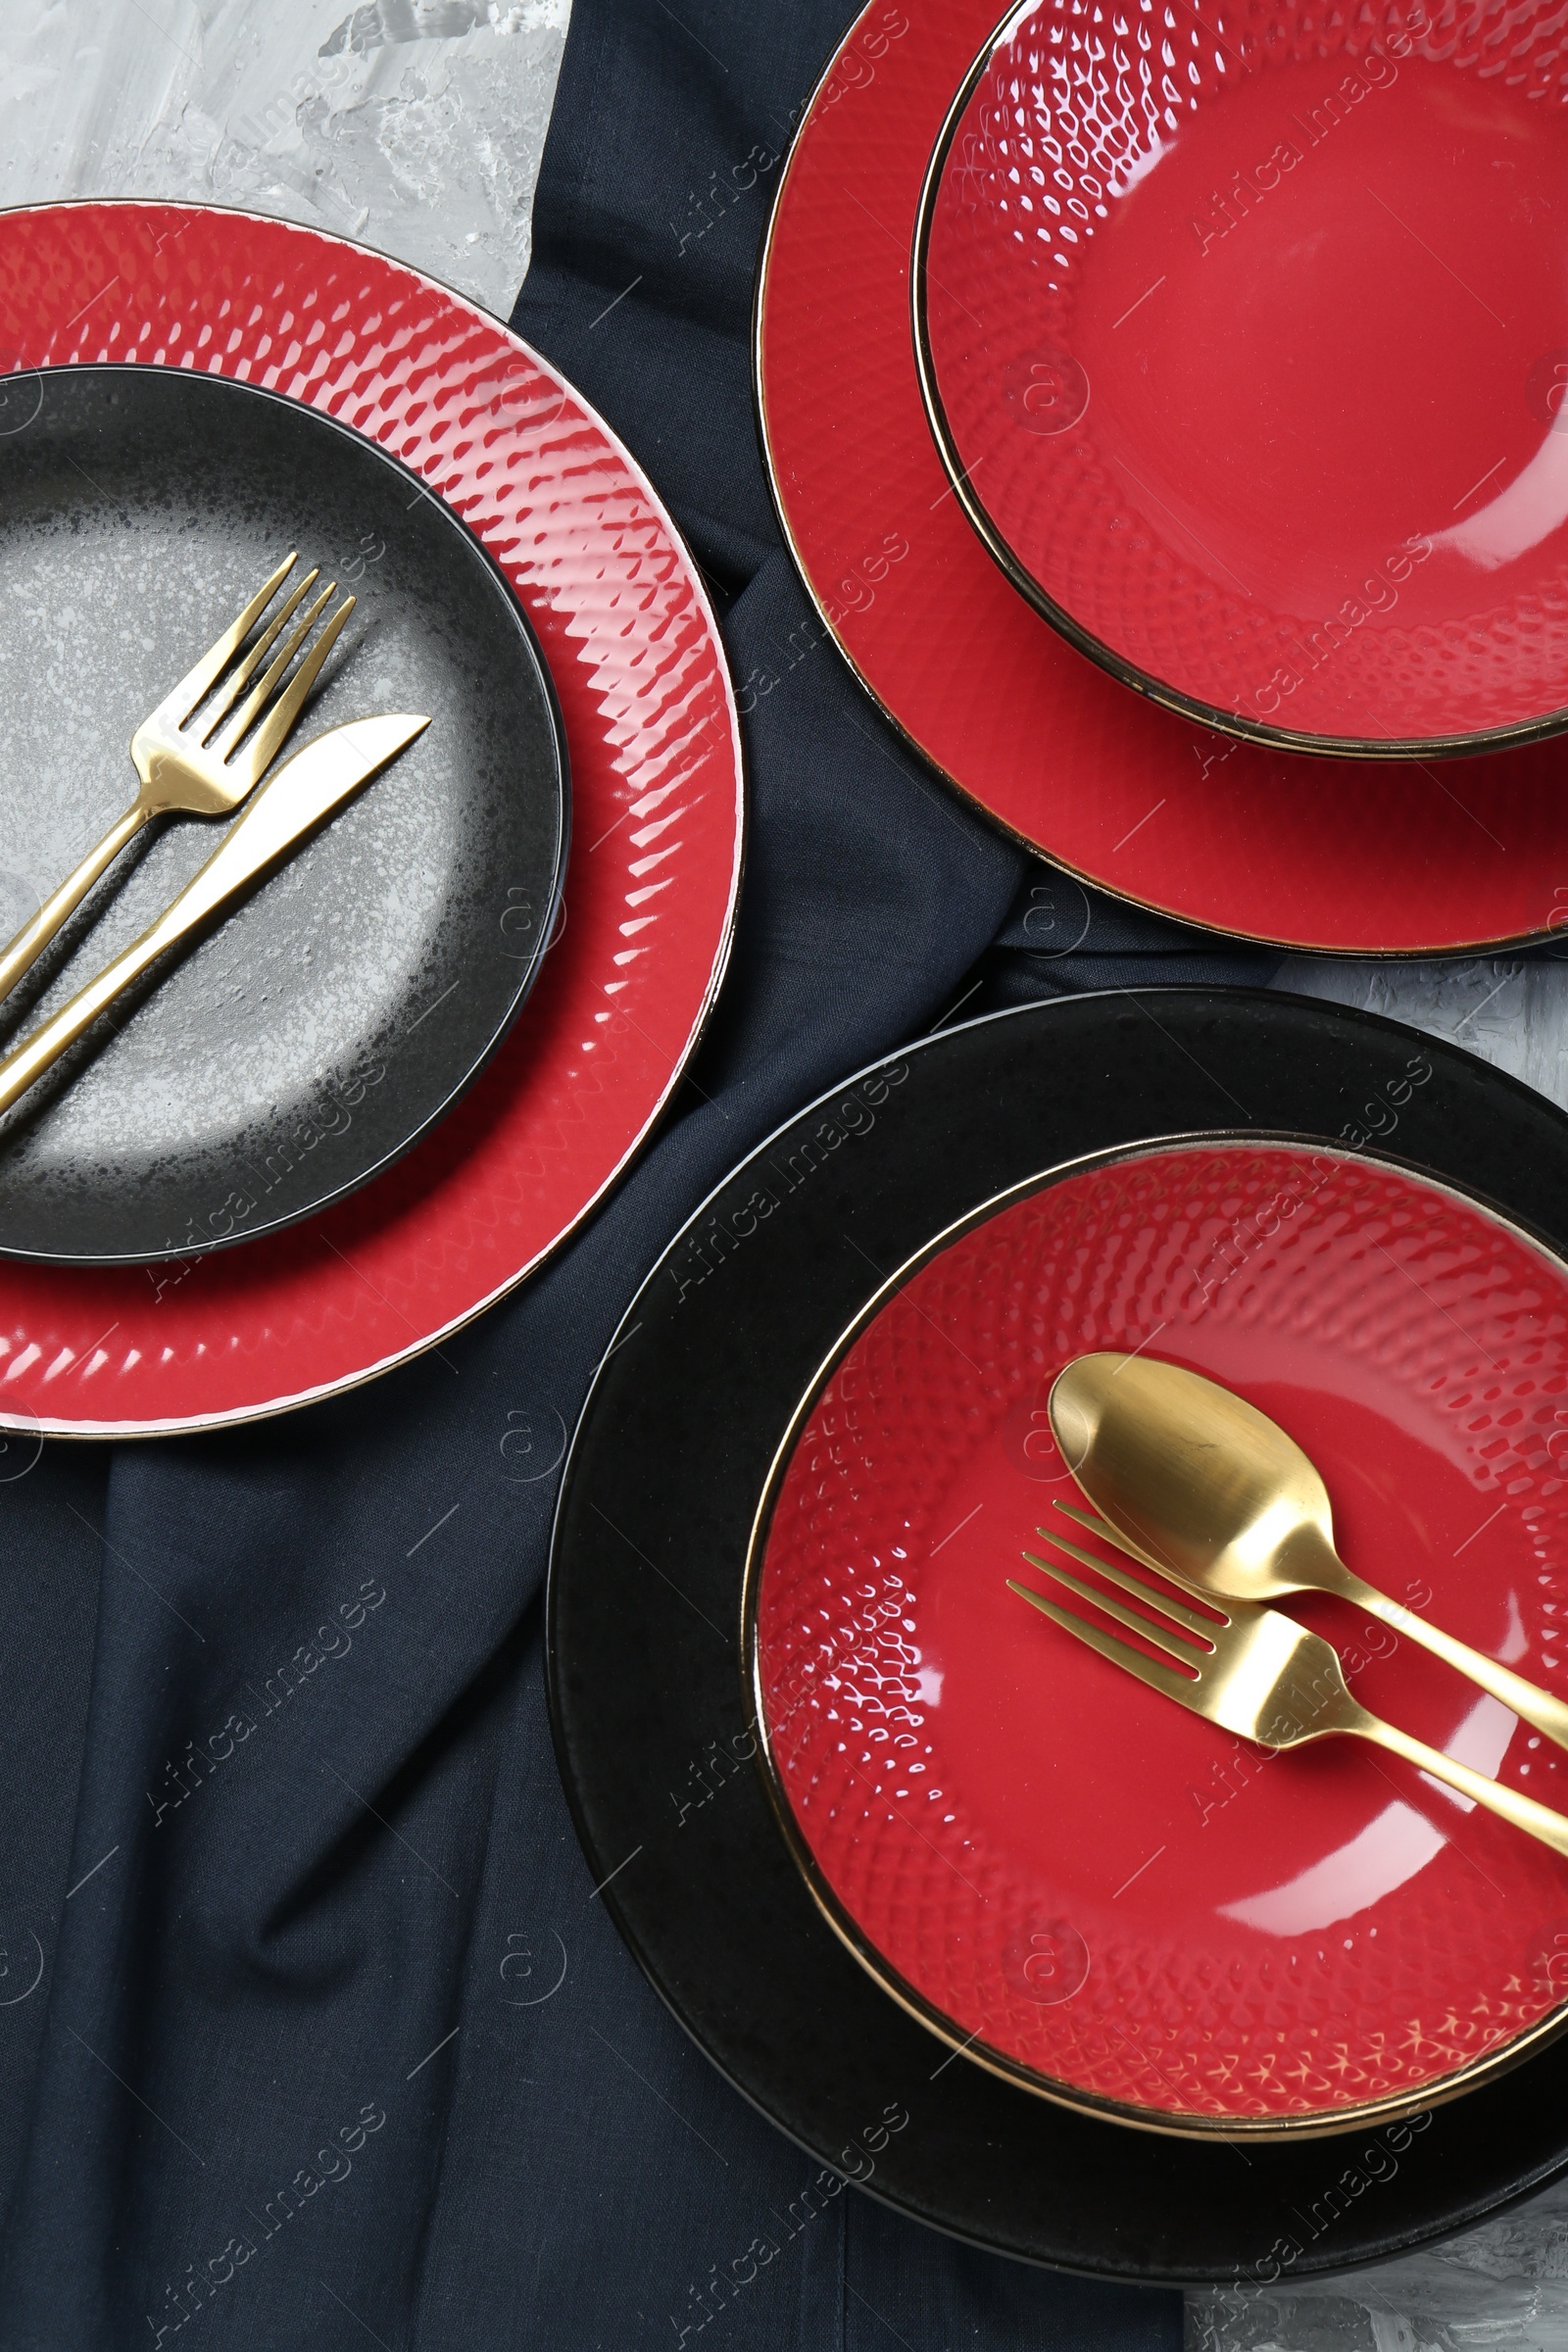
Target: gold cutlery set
<point>1197,1485</point>
<point>194,759</point>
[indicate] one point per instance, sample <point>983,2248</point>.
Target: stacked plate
<point>1250,394</point>
<point>1151,1999</point>
<point>464,1001</point>
<point>1162,409</point>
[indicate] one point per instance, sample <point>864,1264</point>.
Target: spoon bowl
<point>1204,1481</point>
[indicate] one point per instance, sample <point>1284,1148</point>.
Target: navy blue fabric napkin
<point>283,2054</point>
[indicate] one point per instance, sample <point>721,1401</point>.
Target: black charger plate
<point>652,1719</point>
<point>323,1026</point>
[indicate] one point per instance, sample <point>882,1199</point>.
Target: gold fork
<point>191,769</point>
<point>1257,1673</point>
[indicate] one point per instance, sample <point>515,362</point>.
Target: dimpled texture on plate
<point>1185,278</point>
<point>1310,852</point>
<point>1114,1897</point>
<point>650,890</point>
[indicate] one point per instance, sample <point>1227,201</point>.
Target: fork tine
<point>1161,1636</point>
<point>1166,1602</point>
<point>233,686</point>
<point>261,692</point>
<point>1148,1669</point>
<point>270,736</point>
<point>178,704</point>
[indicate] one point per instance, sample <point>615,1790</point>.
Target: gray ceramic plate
<point>329,1022</point>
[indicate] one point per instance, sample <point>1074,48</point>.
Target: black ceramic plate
<point>326,1023</point>
<point>652,1719</point>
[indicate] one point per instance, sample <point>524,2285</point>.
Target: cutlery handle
<point>290,805</point>
<point>34,936</point>
<point>38,1052</point>
<point>1538,1820</point>
<point>1532,1705</point>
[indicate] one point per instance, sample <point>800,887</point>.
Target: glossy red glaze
<point>656,813</point>
<point>1118,1900</point>
<point>1310,852</point>
<point>1251,360</point>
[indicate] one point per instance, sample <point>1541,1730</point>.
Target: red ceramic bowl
<point>1246,337</point>
<point>1060,1871</point>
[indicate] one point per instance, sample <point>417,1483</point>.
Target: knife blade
<point>292,802</point>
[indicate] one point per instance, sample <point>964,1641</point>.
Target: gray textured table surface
<point>416,126</point>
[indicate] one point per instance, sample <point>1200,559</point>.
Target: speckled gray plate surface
<point>336,1012</point>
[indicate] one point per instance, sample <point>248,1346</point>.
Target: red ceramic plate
<point>1089,1890</point>
<point>1418,859</point>
<point>655,863</point>
<point>1193,295</point>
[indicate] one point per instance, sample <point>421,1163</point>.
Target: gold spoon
<point>1213,1491</point>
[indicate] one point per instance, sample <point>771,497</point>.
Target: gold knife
<point>295,799</point>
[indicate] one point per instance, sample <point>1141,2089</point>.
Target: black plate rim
<point>1473,2205</point>
<point>533,655</point>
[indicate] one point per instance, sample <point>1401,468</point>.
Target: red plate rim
<point>421,1220</point>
